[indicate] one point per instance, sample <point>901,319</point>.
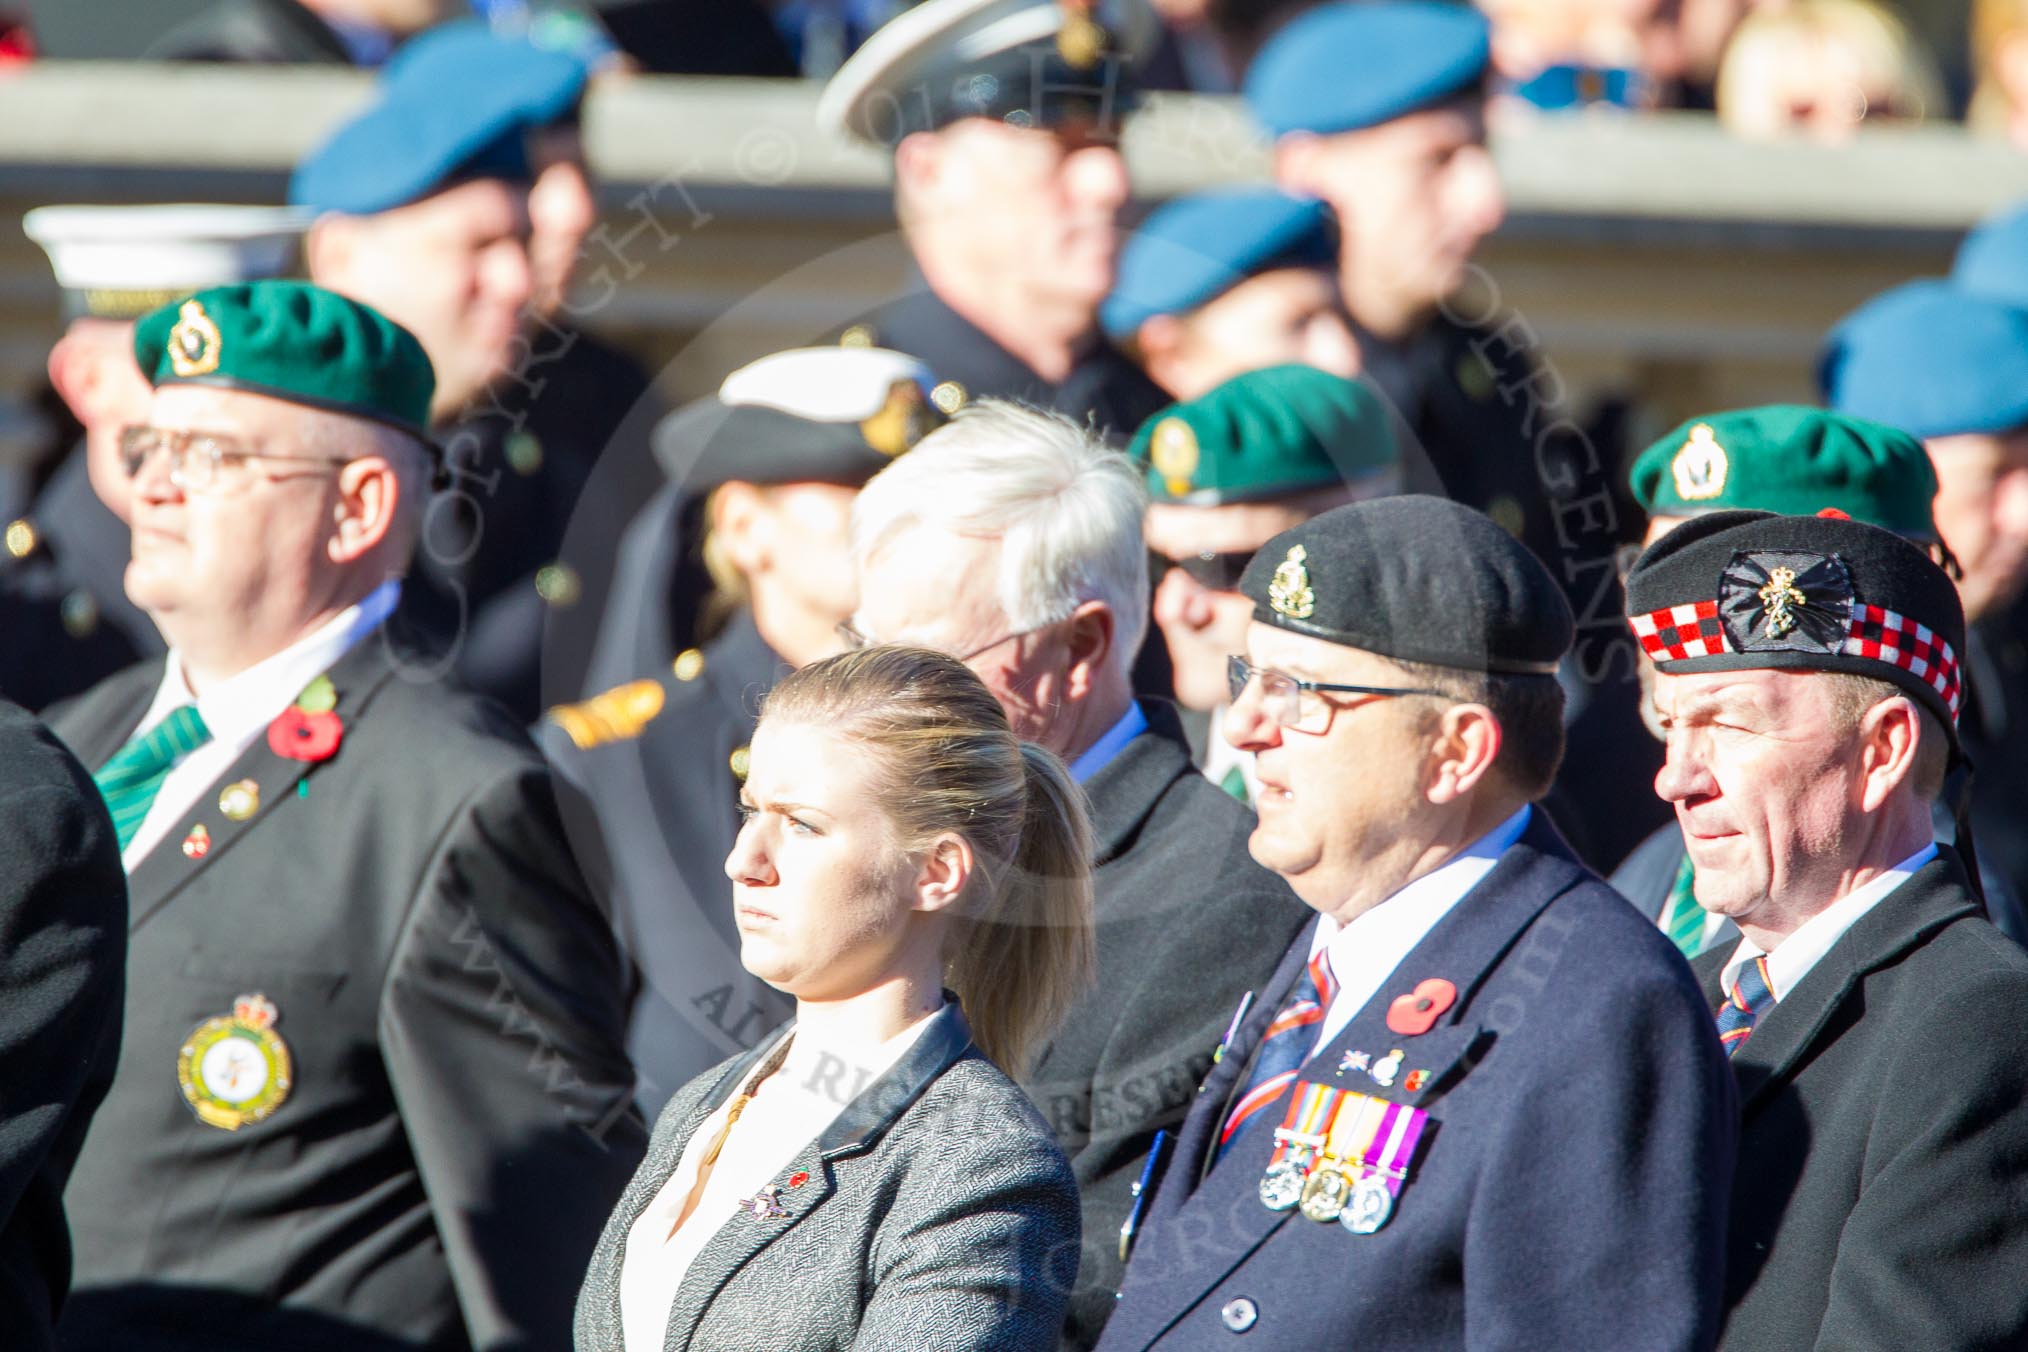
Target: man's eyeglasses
<point>1298,705</point>
<point>202,462</point>
<point>1213,572</point>
<point>854,641</point>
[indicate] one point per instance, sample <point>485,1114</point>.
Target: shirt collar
<point>237,708</point>
<point>1384,934</point>
<point>1815,937</point>
<point>1100,753</point>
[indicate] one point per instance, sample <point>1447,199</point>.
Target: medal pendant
<point>1369,1206</point>
<point>1325,1194</point>
<point>1281,1187</point>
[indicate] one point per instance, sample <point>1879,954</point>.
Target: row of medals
<point>1349,1192</point>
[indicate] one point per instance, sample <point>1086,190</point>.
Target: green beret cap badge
<point>1289,593</point>
<point>1700,467</point>
<point>1172,449</point>
<point>195,342</point>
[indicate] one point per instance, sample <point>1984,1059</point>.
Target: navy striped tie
<point>129,781</point>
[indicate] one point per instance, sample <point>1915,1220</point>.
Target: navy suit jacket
<point>1570,1189</point>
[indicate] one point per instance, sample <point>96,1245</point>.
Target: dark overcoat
<point>1883,1164</point>
<point>459,1114</point>
<point>1570,1188</point>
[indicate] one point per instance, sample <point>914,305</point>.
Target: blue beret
<point>1993,260</point>
<point>1195,249</point>
<point>1358,63</point>
<point>1931,359</point>
<point>457,101</point>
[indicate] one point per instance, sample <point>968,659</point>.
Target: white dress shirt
<point>1815,937</point>
<point>1366,952</point>
<point>237,711</point>
<point>804,1096</point>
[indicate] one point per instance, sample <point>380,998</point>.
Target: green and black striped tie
<point>129,781</point>
<point>1682,917</point>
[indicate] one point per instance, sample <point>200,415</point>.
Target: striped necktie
<point>129,781</point>
<point>1283,1048</point>
<point>1682,917</point>
<point>1752,996</point>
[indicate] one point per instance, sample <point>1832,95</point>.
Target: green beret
<point>1266,434</point>
<point>1793,461</point>
<point>292,341</point>
<point>1417,579</point>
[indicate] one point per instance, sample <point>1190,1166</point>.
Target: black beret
<point>1418,579</point>
<point>1740,591</point>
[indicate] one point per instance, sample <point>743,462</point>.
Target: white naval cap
<point>807,415</point>
<point>1028,62</point>
<point>121,262</point>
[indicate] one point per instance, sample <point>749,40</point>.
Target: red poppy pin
<point>798,1179</point>
<point>309,730</point>
<point>1416,1013</point>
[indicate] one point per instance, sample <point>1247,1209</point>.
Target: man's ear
<point>1889,734</point>
<point>739,524</point>
<point>945,869</point>
<point>918,163</point>
<point>1466,744</point>
<point>1162,340</point>
<point>1295,158</point>
<point>369,503</point>
<point>328,248</point>
<point>1089,635</point>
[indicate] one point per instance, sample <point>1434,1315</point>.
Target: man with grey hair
<point>1011,539</point>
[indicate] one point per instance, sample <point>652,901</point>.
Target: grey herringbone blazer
<point>936,1215</point>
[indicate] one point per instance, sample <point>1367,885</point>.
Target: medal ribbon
<point>1373,1136</point>
<point>1309,1121</point>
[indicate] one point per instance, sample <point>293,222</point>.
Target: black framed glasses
<point>1298,704</point>
<point>1208,569</point>
<point>202,462</point>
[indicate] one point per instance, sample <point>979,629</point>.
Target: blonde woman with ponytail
<point>869,1176</point>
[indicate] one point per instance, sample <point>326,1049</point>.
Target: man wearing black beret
<point>1480,1102</point>
<point>1809,685</point>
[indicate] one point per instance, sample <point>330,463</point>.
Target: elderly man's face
<point>453,269</point>
<point>253,541</point>
<point>1982,514</point>
<point>937,590</point>
<point>1415,196</point>
<point>1765,790</point>
<point>1035,209</point>
<point>1335,803</point>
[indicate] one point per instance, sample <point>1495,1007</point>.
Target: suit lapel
<point>168,868</point>
<point>1937,895</point>
<point>856,1130</point>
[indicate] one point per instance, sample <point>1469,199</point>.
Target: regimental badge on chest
<point>235,1069</point>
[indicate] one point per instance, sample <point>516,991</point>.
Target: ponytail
<point>1024,956</point>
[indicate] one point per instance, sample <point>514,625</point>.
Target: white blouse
<point>792,1108</point>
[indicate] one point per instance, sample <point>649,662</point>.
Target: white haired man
<point>1012,539</point>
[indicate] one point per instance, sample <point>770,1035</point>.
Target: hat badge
<point>1289,591</point>
<point>194,342</point>
<point>1776,597</point>
<point>1173,452</point>
<point>1700,466</point>
<point>901,420</point>
<point>1080,41</point>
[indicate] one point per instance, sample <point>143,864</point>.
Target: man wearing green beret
<point>1796,461</point>
<point>359,944</point>
<point>1227,472</point>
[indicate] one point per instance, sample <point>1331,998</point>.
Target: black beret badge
<point>1785,601</point>
<point>1289,591</point>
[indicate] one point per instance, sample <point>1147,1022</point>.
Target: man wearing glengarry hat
<point>1810,680</point>
<point>371,1089</point>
